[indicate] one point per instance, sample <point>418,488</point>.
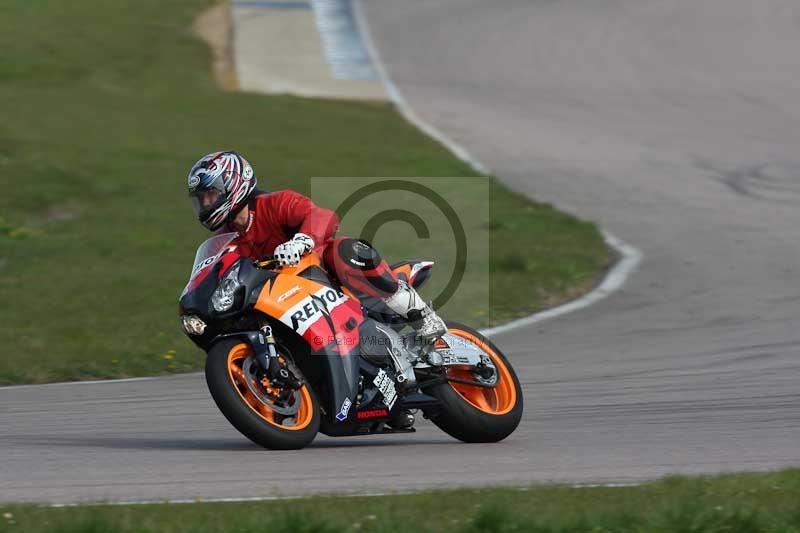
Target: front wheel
<point>479,414</point>
<point>275,419</point>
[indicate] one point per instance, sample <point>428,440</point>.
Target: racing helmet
<point>220,185</point>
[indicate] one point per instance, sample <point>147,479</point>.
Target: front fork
<point>266,356</point>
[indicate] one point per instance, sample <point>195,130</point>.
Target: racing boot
<point>407,303</point>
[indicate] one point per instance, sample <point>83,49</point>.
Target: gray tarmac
<point>676,125</point>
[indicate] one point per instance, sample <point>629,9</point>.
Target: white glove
<point>290,252</point>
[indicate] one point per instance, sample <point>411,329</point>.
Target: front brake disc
<point>250,369</point>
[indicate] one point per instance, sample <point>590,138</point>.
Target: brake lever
<point>269,263</point>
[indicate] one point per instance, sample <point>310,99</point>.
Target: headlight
<point>193,325</point>
<point>222,299</point>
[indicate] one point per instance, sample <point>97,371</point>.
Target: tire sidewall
<point>462,420</point>
<point>241,415</point>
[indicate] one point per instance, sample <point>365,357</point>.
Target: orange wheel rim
<point>497,400</point>
<point>236,357</point>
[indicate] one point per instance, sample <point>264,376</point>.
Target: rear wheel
<point>474,413</point>
<point>276,419</point>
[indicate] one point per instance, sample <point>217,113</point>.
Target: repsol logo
<point>309,310</point>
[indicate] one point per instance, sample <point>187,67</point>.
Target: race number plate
<point>386,387</point>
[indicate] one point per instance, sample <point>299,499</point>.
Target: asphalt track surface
<point>676,125</point>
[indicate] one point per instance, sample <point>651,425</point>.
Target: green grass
<point>746,503</point>
<point>105,105</point>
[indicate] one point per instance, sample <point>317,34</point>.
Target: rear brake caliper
<point>485,371</point>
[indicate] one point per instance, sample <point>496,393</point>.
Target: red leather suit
<point>275,217</point>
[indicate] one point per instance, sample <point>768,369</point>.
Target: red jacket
<point>274,219</point>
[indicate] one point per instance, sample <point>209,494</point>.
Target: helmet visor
<point>207,196</point>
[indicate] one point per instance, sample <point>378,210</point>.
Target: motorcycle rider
<point>222,188</point>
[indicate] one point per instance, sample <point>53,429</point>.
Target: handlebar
<point>268,262</point>
<point>271,262</point>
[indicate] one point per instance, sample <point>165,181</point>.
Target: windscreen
<point>209,252</point>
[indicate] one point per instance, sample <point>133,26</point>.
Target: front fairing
<point>213,259</point>
<point>305,300</point>
<point>208,255</point>
<point>302,298</point>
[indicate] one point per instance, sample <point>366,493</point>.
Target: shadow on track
<point>205,444</point>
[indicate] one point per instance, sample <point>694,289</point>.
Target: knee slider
<point>359,254</point>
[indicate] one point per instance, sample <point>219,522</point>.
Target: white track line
<point>93,382</point>
<point>630,256</point>
<point>397,98</point>
<point>342,44</point>
<point>246,499</point>
<point>630,260</point>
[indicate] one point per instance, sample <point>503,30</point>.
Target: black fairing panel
<point>342,377</point>
<point>198,301</point>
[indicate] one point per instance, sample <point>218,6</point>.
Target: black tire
<point>464,421</point>
<point>242,416</point>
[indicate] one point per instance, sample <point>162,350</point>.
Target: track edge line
<point>630,256</point>
<point>397,98</point>
<point>614,280</point>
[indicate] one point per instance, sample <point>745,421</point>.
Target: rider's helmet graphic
<point>220,184</point>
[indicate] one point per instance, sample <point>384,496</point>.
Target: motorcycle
<point>291,353</point>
